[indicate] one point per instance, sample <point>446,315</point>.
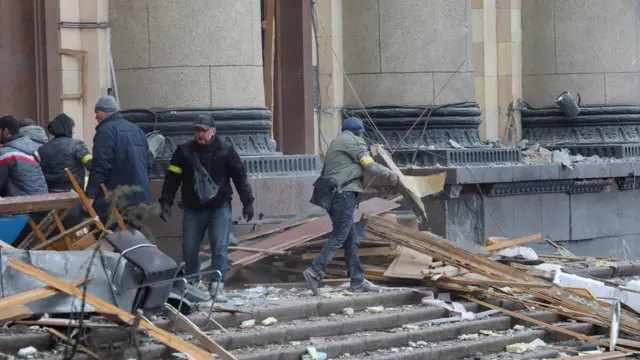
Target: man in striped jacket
<point>20,172</point>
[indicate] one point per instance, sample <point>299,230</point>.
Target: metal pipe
<point>84,24</point>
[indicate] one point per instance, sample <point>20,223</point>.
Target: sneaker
<point>220,295</point>
<point>365,286</point>
<point>311,281</point>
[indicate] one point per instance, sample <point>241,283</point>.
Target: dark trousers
<point>342,236</point>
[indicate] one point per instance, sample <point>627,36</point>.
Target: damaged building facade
<point>415,68</point>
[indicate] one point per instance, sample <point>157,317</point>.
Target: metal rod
<point>84,24</point>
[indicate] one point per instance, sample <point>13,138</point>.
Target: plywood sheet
<point>305,232</point>
<point>409,265</point>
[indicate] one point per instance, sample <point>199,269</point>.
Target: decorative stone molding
<point>246,129</point>
<point>459,123</point>
<point>594,125</point>
<point>570,186</point>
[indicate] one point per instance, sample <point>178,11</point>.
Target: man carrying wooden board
<point>336,191</point>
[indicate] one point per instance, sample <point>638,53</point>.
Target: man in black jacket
<point>64,152</point>
<point>207,205</point>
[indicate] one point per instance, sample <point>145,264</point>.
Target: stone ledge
<point>519,173</point>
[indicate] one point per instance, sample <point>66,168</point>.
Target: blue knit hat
<point>353,124</point>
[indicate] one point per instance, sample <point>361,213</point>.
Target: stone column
<point>196,53</point>
<point>402,52</point>
<point>331,80</point>
<point>497,51</point>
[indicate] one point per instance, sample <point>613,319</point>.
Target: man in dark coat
<point>120,156</point>
<point>207,208</point>
<point>64,152</point>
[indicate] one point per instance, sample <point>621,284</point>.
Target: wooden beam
<point>183,323</point>
<point>72,342</point>
<point>68,232</point>
<point>102,306</point>
<point>510,243</point>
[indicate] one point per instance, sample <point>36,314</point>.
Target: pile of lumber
<point>475,276</point>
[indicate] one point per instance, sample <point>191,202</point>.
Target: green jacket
<point>347,158</point>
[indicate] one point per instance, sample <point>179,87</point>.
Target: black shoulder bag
<point>324,189</point>
<point>206,189</point>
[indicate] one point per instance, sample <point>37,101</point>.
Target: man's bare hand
<point>393,178</point>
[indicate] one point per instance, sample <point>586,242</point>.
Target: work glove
<point>393,178</point>
<point>165,212</point>
<point>247,212</point>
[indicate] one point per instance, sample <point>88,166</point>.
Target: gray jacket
<point>20,173</point>
<point>347,158</point>
<point>35,133</point>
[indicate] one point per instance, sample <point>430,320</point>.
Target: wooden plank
<point>497,283</point>
<point>603,356</point>
<point>37,203</point>
<point>266,251</point>
<point>305,232</point>
<point>537,322</point>
<point>102,306</point>
<point>66,233</point>
<point>377,251</point>
<point>71,342</point>
<point>85,242</point>
<point>505,244</point>
<point>409,265</point>
<point>183,323</point>
<point>415,203</point>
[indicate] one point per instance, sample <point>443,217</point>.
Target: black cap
<point>204,122</point>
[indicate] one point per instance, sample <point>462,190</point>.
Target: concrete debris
<point>468,336</point>
<point>524,347</point>
<point>538,155</point>
<point>454,307</point>
<point>27,352</point>
<point>269,321</point>
<point>248,324</point>
<point>455,145</point>
<point>518,327</point>
<point>348,311</point>
<point>516,252</point>
<point>375,309</point>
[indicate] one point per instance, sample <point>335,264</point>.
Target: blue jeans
<point>343,236</point>
<point>217,224</point>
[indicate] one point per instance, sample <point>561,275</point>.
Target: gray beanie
<point>108,104</point>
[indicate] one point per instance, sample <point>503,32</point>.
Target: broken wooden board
<point>406,187</point>
<point>509,243</point>
<point>305,232</point>
<point>102,306</point>
<point>182,322</point>
<point>38,203</point>
<point>409,265</point>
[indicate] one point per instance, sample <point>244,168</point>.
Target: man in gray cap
<point>120,156</point>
